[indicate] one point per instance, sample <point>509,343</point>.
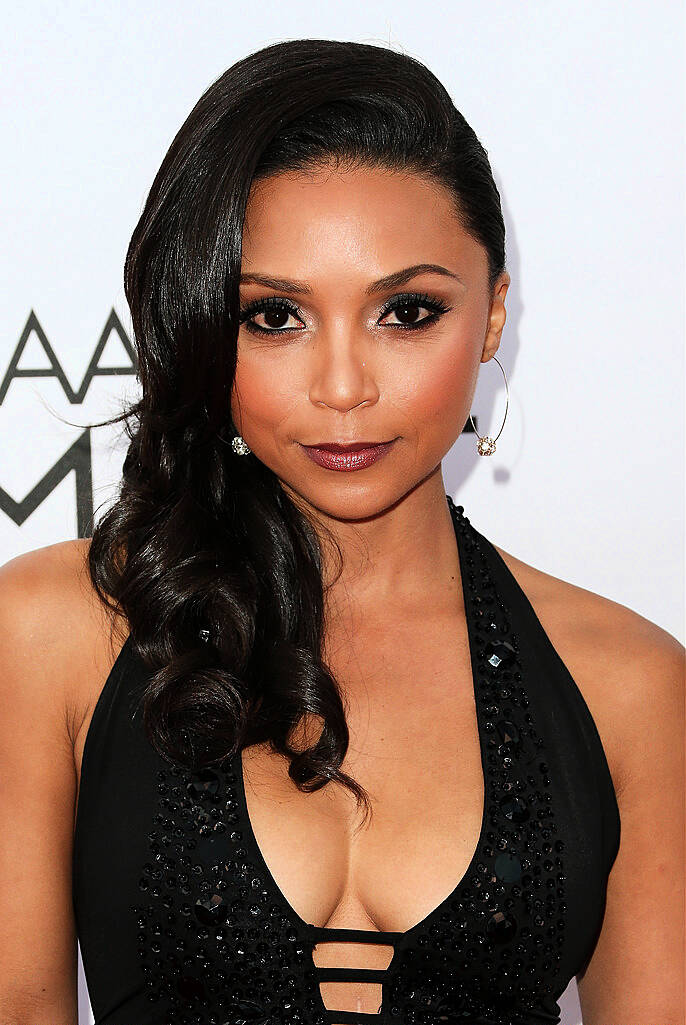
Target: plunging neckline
<point>397,937</point>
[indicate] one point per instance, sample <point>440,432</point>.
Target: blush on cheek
<point>443,393</point>
<point>262,398</point>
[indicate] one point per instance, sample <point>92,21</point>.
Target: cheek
<point>263,394</point>
<point>440,393</point>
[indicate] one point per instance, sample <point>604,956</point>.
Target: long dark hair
<point>215,569</point>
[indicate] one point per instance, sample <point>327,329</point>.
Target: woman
<point>337,754</point>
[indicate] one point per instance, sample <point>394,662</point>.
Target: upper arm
<point>636,973</point>
<point>38,950</point>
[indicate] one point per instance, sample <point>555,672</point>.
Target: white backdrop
<point>580,106</point>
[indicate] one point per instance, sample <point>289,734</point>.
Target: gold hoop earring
<point>486,446</point>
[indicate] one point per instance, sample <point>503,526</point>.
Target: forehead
<point>372,215</point>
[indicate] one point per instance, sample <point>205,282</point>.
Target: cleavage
<point>415,747</point>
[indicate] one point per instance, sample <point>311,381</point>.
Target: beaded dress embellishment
<point>219,944</point>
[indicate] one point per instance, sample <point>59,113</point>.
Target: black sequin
<point>219,944</point>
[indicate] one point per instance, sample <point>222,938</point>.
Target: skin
<point>345,375</point>
<point>348,375</point>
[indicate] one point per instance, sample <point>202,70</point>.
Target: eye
<point>274,309</point>
<point>406,308</point>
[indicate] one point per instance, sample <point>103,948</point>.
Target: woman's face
<point>342,361</point>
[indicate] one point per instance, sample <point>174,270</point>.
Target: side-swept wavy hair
<point>200,543</point>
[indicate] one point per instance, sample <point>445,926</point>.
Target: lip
<point>346,446</point>
<point>355,456</point>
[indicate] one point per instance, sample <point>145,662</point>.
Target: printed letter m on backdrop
<point>76,458</point>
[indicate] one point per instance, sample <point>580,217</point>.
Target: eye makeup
<point>403,301</point>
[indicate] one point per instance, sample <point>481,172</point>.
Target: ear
<point>496,317</point>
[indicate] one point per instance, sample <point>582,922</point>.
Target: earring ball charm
<point>485,446</point>
<point>239,446</point>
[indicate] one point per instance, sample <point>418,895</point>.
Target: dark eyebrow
<point>400,277</point>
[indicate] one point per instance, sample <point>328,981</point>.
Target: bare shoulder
<point>58,635</point>
<point>54,650</point>
<point>621,661</point>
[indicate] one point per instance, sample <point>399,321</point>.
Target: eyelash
<point>420,299</point>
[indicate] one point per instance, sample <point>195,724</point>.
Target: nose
<point>341,373</point>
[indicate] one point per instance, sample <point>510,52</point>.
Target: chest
<point>415,747</point>
<point>244,887</point>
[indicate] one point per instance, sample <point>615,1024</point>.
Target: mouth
<point>357,455</point>
<point>343,446</point>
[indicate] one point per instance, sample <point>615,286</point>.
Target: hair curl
<point>198,539</point>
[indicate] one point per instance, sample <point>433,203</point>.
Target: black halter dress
<point>180,921</point>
